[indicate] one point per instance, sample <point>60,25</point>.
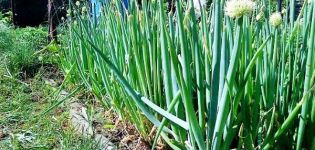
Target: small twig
<point>43,49</point>
<point>7,69</point>
<point>11,77</point>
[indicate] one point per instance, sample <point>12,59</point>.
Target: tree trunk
<point>52,29</point>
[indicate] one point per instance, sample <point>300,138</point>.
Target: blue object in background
<point>125,2</point>
<point>97,4</point>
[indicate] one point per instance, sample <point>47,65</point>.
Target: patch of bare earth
<point>123,133</point>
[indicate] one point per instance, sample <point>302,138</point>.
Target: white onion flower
<point>239,8</point>
<point>275,19</point>
<point>77,3</point>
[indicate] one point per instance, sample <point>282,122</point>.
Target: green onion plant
<point>232,74</point>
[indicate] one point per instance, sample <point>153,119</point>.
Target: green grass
<point>20,108</point>
<point>22,100</point>
<point>18,46</point>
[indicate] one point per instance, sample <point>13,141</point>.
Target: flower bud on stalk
<point>77,3</point>
<point>284,11</point>
<point>260,16</point>
<point>275,19</point>
<point>187,19</point>
<point>239,8</point>
<point>83,10</point>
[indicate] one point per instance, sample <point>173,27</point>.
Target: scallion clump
<point>227,79</point>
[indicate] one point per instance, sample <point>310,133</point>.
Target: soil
<point>49,71</point>
<point>123,134</point>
